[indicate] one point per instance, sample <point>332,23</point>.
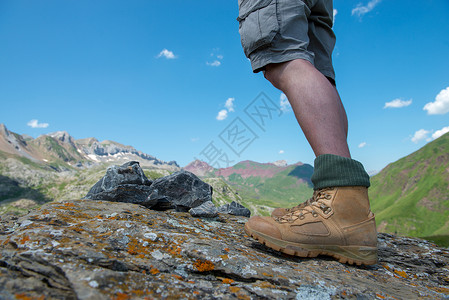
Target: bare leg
<point>316,104</point>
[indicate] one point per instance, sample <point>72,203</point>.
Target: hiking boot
<point>279,212</point>
<point>336,222</point>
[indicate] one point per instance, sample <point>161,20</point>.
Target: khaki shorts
<point>275,31</point>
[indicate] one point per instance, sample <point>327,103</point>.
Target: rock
<point>88,249</point>
<point>235,209</point>
<point>128,173</point>
<point>182,190</point>
<point>205,210</point>
<point>126,183</point>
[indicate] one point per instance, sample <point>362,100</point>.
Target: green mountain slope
<point>263,186</point>
<point>411,196</point>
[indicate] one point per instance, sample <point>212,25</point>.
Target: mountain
<point>199,168</point>
<point>55,166</point>
<point>59,148</point>
<point>411,196</point>
<point>264,186</point>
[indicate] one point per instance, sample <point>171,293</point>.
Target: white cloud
<point>420,135</point>
<point>230,104</point>
<point>361,9</point>
<point>215,63</point>
<point>441,104</point>
<point>283,102</point>
<point>335,12</point>
<point>194,139</point>
<point>281,151</point>
<point>167,54</point>
<point>222,114</point>
<point>440,132</point>
<point>362,144</point>
<point>216,57</point>
<point>35,124</point>
<point>398,103</point>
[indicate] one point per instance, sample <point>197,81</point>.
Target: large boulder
<point>126,183</point>
<point>181,190</point>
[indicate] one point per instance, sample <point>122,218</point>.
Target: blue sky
<point>170,78</point>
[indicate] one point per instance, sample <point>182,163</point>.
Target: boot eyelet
<point>314,214</point>
<point>328,197</point>
<point>302,217</point>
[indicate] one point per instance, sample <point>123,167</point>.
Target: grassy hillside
<point>411,196</point>
<point>265,186</point>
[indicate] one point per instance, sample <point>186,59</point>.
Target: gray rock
<point>205,210</point>
<point>235,209</point>
<point>128,193</point>
<point>183,190</point>
<point>126,183</point>
<point>88,249</point>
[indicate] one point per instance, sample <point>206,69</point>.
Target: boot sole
<point>358,255</point>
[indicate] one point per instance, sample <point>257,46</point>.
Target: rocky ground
<point>89,249</point>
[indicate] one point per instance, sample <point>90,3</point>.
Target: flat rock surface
<point>88,249</point>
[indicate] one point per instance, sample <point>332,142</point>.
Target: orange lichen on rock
<point>154,271</point>
<point>24,239</point>
<point>380,296</point>
<point>401,273</point>
<point>442,290</point>
<point>121,296</point>
<point>139,293</point>
<point>173,249</point>
<point>22,296</point>
<point>69,204</point>
<point>135,248</point>
<point>77,228</point>
<point>6,241</point>
<point>178,277</point>
<point>265,285</point>
<point>227,280</point>
<point>204,265</point>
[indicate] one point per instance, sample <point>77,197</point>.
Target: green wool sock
<point>333,170</point>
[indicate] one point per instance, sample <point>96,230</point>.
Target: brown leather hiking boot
<point>337,222</point>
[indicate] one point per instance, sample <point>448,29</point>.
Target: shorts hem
<point>260,59</point>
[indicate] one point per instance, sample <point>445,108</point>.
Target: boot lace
<point>317,202</point>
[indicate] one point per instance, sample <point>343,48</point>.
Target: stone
<point>235,209</point>
<point>125,183</point>
<point>205,210</point>
<point>182,190</point>
<point>91,249</point>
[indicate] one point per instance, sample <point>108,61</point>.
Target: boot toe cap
<point>264,225</point>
